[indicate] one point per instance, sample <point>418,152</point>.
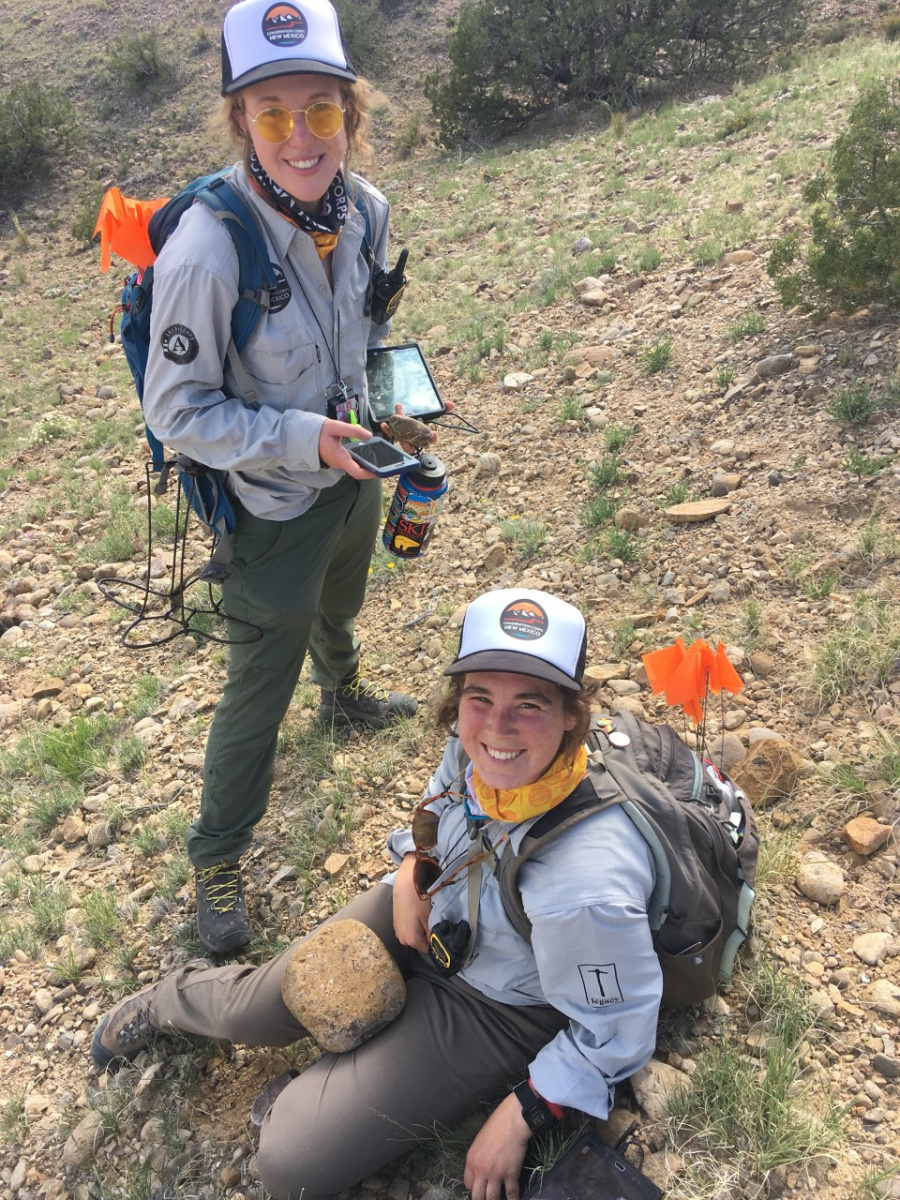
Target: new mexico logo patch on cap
<point>284,25</point>
<point>523,619</point>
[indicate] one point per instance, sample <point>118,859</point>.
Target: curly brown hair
<point>578,704</point>
<point>354,97</point>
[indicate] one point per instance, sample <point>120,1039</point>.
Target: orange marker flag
<point>686,674</point>
<point>122,225</point>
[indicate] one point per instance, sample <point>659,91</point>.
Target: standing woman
<point>307,515</point>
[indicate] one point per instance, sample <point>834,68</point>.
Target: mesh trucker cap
<point>262,39</point>
<point>526,632</point>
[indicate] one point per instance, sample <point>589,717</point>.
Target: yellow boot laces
<point>220,883</point>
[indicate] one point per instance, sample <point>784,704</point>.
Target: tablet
<point>591,1171</point>
<point>400,375</point>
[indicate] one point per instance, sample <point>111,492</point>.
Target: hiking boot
<point>222,922</point>
<point>126,1030</point>
<point>356,701</point>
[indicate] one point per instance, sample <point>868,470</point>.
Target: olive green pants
<point>302,582</point>
<point>449,1051</point>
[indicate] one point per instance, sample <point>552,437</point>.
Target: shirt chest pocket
<point>285,356</point>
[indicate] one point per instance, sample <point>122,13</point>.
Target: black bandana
<point>334,205</point>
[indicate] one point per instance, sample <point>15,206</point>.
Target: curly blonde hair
<point>354,97</point>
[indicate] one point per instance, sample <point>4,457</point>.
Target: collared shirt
<point>310,337</point>
<point>591,956</point>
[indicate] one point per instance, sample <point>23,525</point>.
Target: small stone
<point>886,1066</point>
<point>630,518</point>
<point>342,985</point>
<point>727,750</point>
<point>335,863</point>
<point>47,688</point>
<point>884,997</point>
<point>820,880</point>
<point>653,1086</point>
<point>865,835</point>
<point>775,364</point>
<point>84,1140</point>
<point>73,829</point>
<point>516,380</point>
<point>495,557</point>
<point>487,466</point>
<point>872,948</point>
<point>762,664</point>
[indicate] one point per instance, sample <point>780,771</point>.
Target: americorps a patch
<point>179,344</point>
<point>601,984</point>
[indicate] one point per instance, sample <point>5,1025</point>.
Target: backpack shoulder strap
<point>359,203</point>
<point>591,796</point>
<point>256,276</point>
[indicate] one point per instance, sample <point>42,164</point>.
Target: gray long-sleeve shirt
<point>311,337</point>
<point>592,958</point>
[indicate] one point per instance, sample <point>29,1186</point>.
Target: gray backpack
<point>700,830</point>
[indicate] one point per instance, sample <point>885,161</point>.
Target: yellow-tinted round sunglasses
<point>324,119</point>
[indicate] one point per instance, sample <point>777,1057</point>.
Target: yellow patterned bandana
<point>324,242</point>
<point>519,804</point>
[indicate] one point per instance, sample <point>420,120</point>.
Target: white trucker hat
<point>262,39</point>
<point>526,632</point>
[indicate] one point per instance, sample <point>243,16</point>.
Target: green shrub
<point>85,220</point>
<point>513,59</point>
<point>749,324</point>
<point>854,405</point>
<point>37,127</point>
<point>853,255</point>
<point>136,61</point>
<point>656,356</point>
<point>889,27</point>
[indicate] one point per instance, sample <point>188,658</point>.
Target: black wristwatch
<point>534,1109</point>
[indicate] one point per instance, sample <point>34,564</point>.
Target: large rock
<point>654,1085</point>
<point>820,879</point>
<point>769,772</point>
<point>692,511</point>
<point>343,986</point>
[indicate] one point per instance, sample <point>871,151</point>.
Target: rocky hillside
<point>660,442</point>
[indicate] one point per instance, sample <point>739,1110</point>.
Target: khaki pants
<point>348,1115</point>
<point>302,582</point>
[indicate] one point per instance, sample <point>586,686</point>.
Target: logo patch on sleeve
<point>601,984</point>
<point>179,345</point>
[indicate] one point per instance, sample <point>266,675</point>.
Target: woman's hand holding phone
<point>333,452</point>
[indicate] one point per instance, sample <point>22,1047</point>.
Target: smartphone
<point>380,456</point>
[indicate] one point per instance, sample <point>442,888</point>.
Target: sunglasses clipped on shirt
<point>428,869</point>
<point>324,119</point>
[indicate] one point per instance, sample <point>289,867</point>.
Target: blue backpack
<point>204,486</point>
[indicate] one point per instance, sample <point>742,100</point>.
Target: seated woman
<point>564,1018</point>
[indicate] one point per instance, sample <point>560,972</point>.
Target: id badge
<point>344,406</point>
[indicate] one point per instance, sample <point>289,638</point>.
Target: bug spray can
<point>414,509</point>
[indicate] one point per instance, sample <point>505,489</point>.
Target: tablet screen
<point>400,375</point>
<point>591,1171</point>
